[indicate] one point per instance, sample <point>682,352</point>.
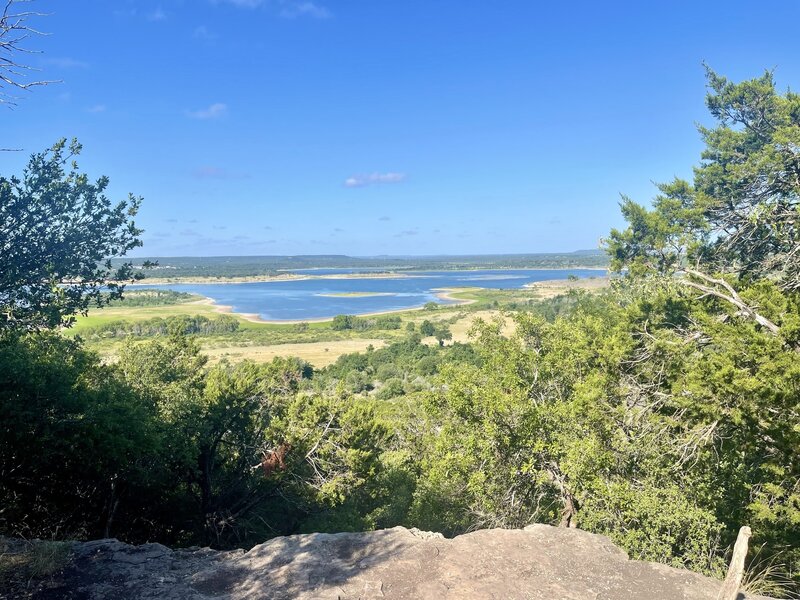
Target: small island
<point>354,294</point>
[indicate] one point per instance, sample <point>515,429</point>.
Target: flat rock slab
<point>539,562</point>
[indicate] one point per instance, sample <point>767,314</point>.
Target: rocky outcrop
<point>539,562</point>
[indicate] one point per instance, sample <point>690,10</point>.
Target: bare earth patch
<point>319,354</point>
<point>556,287</point>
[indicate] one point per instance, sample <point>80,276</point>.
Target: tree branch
<point>731,297</point>
<point>14,30</point>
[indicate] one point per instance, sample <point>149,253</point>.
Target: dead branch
<point>733,580</point>
<point>729,295</point>
<point>14,32</point>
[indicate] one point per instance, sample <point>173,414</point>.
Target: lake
<point>308,299</point>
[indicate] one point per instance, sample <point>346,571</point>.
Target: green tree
<point>80,451</point>
<point>736,223</point>
<point>342,322</point>
<point>427,328</point>
<point>442,334</point>
<point>615,419</point>
<point>58,233</point>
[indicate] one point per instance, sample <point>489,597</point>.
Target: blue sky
<point>373,127</point>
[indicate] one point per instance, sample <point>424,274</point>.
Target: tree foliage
<point>640,416</point>
<point>740,215</point>
<point>664,412</point>
<point>58,233</point>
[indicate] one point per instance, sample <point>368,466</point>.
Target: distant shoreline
<point>298,277</point>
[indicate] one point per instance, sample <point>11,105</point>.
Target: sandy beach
<point>275,278</point>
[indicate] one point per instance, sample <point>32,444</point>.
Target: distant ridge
<point>255,266</point>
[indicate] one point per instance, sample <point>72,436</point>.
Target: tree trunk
<point>569,516</point>
<point>733,580</point>
<point>113,504</point>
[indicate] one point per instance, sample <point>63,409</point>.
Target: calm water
<point>306,299</point>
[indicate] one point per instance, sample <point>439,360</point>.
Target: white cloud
<point>209,172</point>
<point>204,33</point>
<point>373,178</point>
<point>97,108</point>
<point>245,3</point>
<point>292,10</point>
<point>65,62</point>
<point>157,15</point>
<point>289,9</point>
<point>215,111</point>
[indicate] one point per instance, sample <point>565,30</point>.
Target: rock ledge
<point>539,562</point>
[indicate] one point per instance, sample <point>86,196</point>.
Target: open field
<point>108,314</point>
<point>556,287</point>
<point>460,329</point>
<point>319,354</point>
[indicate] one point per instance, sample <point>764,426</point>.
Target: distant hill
<point>250,266</point>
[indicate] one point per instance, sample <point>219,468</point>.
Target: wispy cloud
<point>384,218</point>
<point>65,62</point>
<point>97,108</point>
<point>201,32</point>
<point>373,178</point>
<point>406,233</point>
<point>208,172</point>
<point>243,3</point>
<point>157,15</point>
<point>293,10</point>
<point>215,111</point>
<point>125,12</point>
<point>288,9</point>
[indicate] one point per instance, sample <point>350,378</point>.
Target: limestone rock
<point>539,562</point>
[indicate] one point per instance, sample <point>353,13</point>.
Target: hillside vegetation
<point>663,412</point>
